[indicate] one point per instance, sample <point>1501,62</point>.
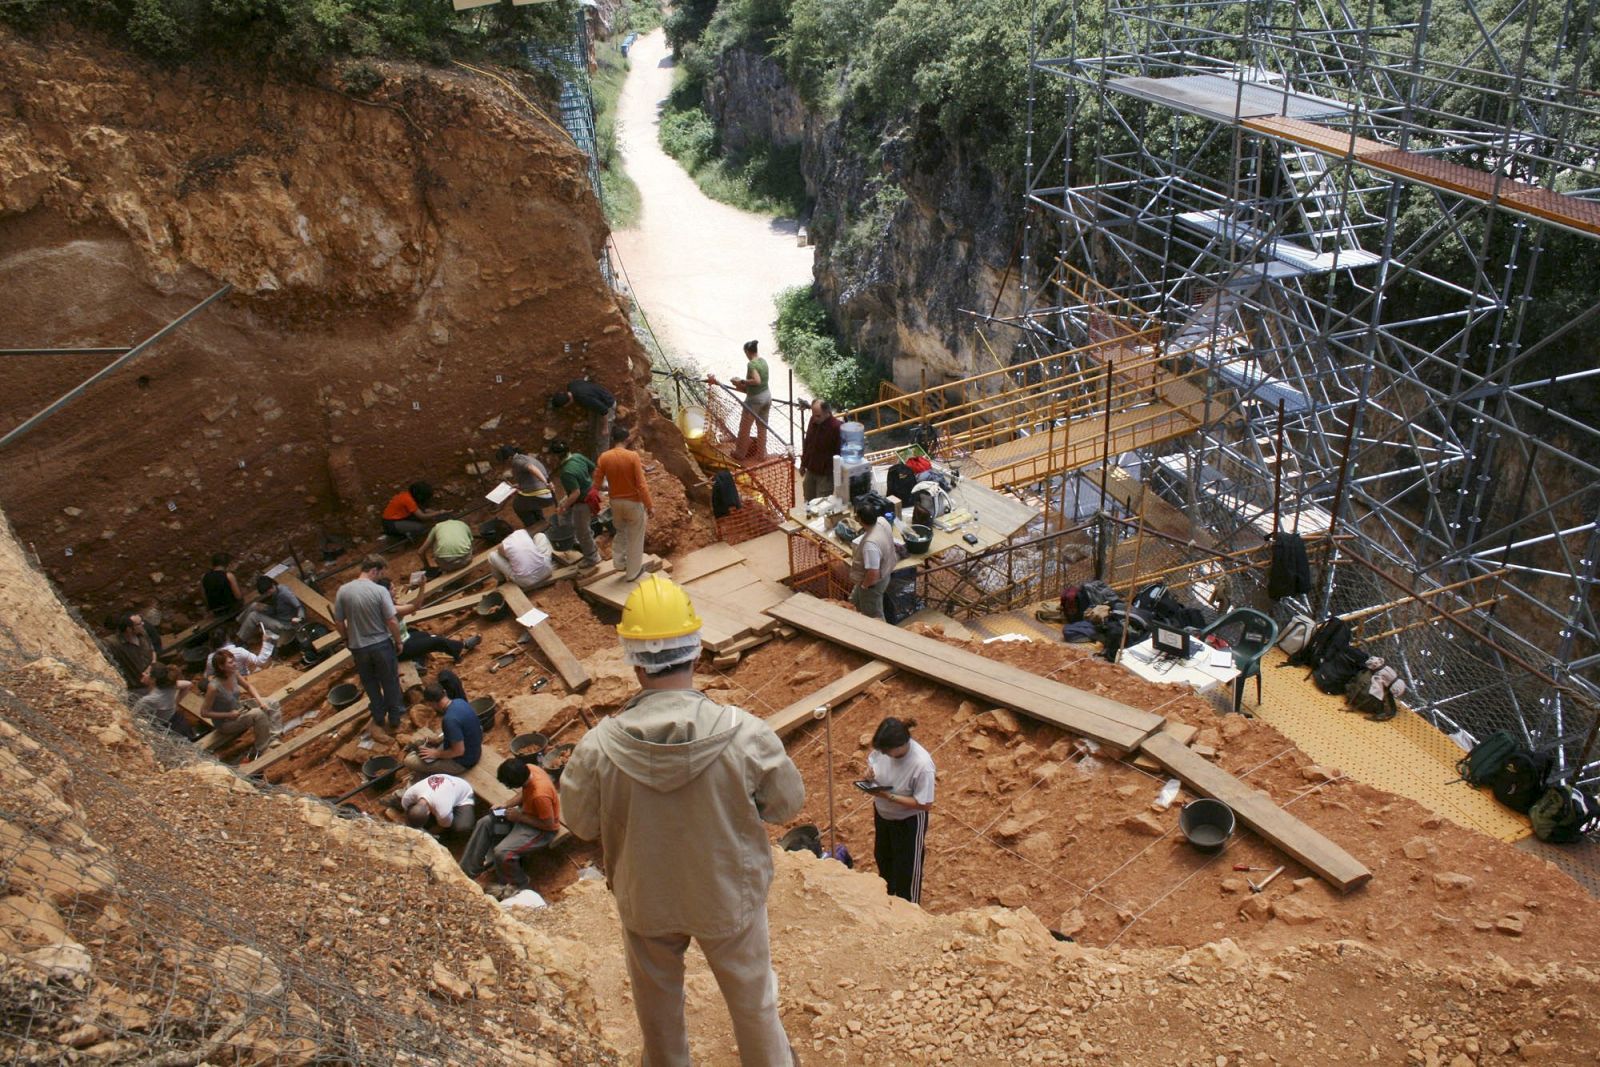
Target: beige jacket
<point>677,786</point>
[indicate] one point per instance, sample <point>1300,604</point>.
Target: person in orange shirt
<point>406,514</point>
<point>533,823</point>
<point>621,471</point>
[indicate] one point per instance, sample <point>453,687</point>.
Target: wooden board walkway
<point>1081,443</point>
<point>571,669</point>
<point>1105,721</point>
<point>726,621</point>
<point>274,756</point>
<point>838,692</point>
<point>1253,809</point>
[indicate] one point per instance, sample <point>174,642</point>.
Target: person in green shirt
<point>448,545</point>
<point>574,509</point>
<point>757,404</point>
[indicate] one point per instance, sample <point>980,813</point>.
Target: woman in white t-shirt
<point>904,774</point>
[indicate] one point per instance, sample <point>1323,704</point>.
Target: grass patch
<point>764,179</point>
<point>819,358</point>
<point>618,192</point>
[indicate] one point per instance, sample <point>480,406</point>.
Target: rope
<point>514,91</point>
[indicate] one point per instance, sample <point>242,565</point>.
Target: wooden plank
<point>322,729</point>
<point>1284,831</point>
<point>726,583</point>
<point>1112,724</point>
<point>834,694</point>
<point>446,607</point>
<point>485,784</point>
<point>704,561</point>
<point>607,568</point>
<point>339,661</point>
<point>767,555</point>
<point>544,635</point>
<point>314,602</point>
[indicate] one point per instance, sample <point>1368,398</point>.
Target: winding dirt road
<point>705,273</point>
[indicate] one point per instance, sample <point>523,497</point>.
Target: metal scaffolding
<point>1344,220</point>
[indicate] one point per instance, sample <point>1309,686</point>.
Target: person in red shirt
<point>534,822</point>
<point>406,514</point>
<point>622,473</point>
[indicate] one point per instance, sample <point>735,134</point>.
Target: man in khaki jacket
<point>677,787</point>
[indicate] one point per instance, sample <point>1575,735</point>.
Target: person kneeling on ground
<point>276,609</point>
<point>407,515</point>
<point>523,558</point>
<point>448,546</point>
<point>160,705</point>
<point>462,745</point>
<point>530,824</point>
<point>447,798</point>
<point>532,481</point>
<point>231,715</point>
<point>872,561</point>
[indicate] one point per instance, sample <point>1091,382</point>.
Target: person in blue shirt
<point>462,745</point>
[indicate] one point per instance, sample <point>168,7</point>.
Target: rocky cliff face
<point>412,274</point>
<point>911,233</point>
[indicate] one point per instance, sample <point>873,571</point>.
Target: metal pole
<point>826,711</point>
<point>1277,477</point>
<point>1333,518</point>
<point>1105,443</point>
<point>62,351</point>
<point>110,368</point>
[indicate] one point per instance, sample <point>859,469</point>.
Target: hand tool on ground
<point>1247,867</point>
<point>538,685</point>
<point>504,660</point>
<point>1256,888</point>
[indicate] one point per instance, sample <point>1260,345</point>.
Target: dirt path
<point>705,273</point>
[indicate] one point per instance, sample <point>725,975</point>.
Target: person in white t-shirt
<point>445,797</point>
<point>523,558</point>
<point>904,774</point>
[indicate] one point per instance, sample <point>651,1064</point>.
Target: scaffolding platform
<point>1405,755</point>
<point>1299,259</point>
<point>1230,97</point>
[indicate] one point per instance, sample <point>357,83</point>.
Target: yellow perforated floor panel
<point>1404,755</point>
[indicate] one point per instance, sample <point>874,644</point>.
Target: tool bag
<point>1296,632</point>
<point>1564,814</point>
<point>1479,766</point>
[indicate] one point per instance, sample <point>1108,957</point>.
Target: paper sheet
<point>276,569</point>
<point>499,493</point>
<point>532,617</point>
<point>1221,657</point>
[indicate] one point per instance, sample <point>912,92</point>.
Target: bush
<point>806,339</point>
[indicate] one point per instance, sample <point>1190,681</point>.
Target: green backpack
<point>1564,815</point>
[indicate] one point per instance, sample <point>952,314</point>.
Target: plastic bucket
<point>918,538</point>
<point>342,696</point>
<point>484,707</point>
<point>529,744</point>
<point>1207,823</point>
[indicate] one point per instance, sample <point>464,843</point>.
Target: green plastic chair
<point>1249,634</point>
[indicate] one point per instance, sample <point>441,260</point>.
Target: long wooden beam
<point>544,635</point>
<point>277,755</point>
<point>830,696</point>
<point>314,602</point>
<point>1107,722</point>
<point>1282,830</point>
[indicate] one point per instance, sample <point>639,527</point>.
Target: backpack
<point>724,494</point>
<point>1095,592</point>
<point>901,481</point>
<point>1071,605</point>
<point>1358,696</point>
<point>931,497</point>
<point>1147,598</point>
<point>1520,781</point>
<point>1334,671</point>
<point>1563,815</point>
<point>494,531</point>
<point>1479,766</point>
<point>1170,611</point>
<point>1296,632</point>
<point>1334,632</point>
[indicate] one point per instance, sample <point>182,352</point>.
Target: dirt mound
<point>867,979</point>
<point>413,274</point>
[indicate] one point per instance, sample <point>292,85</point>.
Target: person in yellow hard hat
<point>677,787</point>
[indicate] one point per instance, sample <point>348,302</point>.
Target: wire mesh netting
<point>157,909</point>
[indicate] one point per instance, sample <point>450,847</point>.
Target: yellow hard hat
<point>657,608</point>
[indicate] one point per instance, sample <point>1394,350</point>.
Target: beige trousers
<point>627,547</point>
<point>742,965</point>
<point>262,722</point>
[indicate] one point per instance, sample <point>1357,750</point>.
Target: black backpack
<point>1095,592</point>
<point>1564,814</point>
<point>1336,667</point>
<point>1358,696</point>
<point>1332,632</point>
<point>901,481</point>
<point>1479,766</point>
<point>724,494</point>
<point>1147,598</point>
<point>1520,781</point>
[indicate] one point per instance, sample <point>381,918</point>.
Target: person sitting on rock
<point>445,798</point>
<point>530,824</point>
<point>276,609</point>
<point>231,714</point>
<point>462,743</point>
<point>406,514</point>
